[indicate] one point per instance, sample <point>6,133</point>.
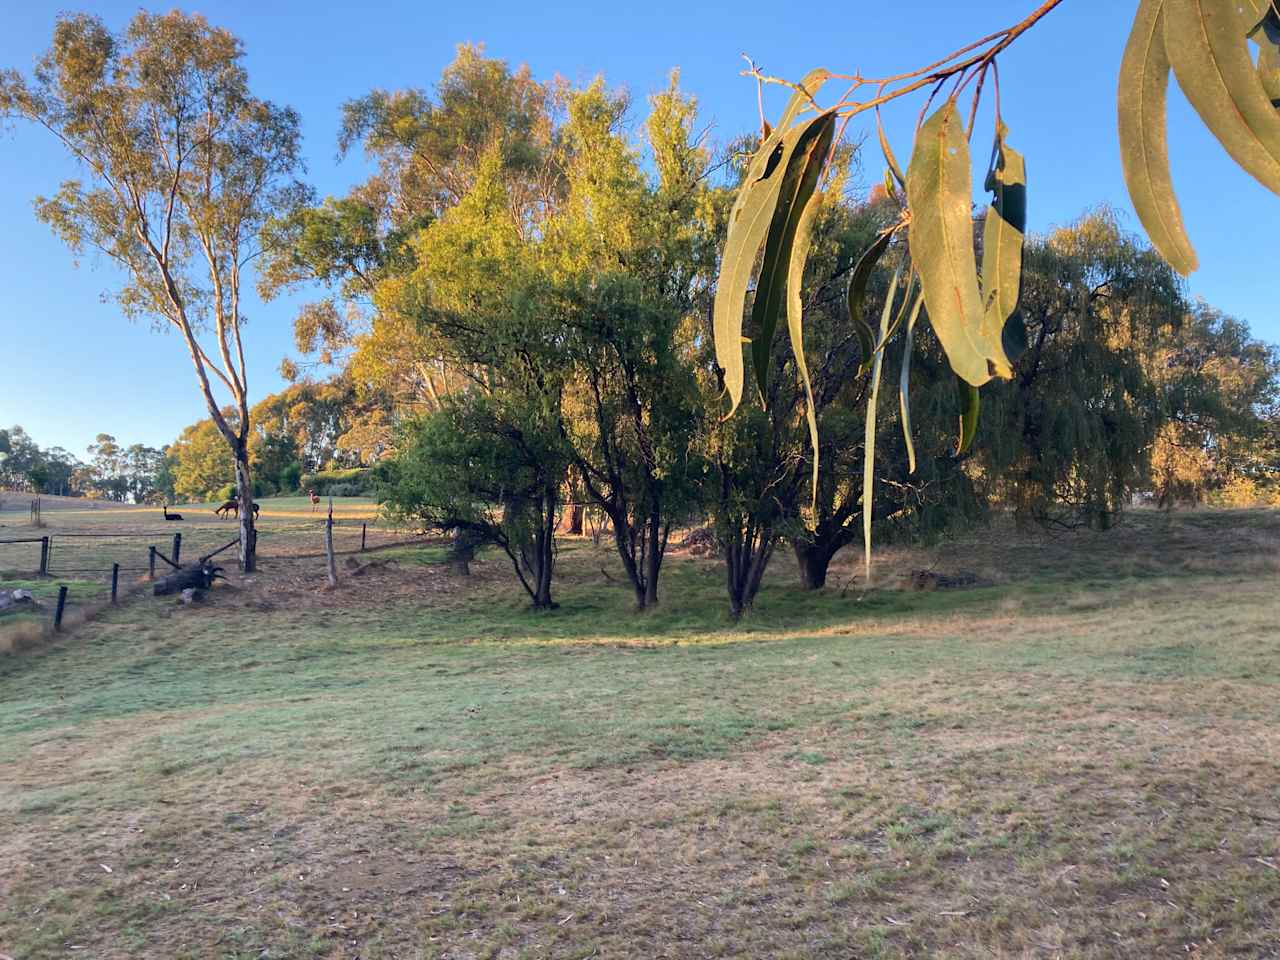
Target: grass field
<point>1081,760</point>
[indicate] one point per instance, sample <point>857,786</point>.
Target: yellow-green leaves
<point>939,196</point>
<point>805,148</point>
<point>795,327</point>
<point>1144,147</point>
<point>904,386</point>
<point>1207,45</point>
<point>857,294</point>
<point>970,407</point>
<point>750,219</point>
<point>869,436</point>
<point>1002,243</point>
<point>1269,68</point>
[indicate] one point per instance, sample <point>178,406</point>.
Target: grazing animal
<point>168,515</point>
<point>315,500</point>
<point>231,506</point>
<point>256,508</point>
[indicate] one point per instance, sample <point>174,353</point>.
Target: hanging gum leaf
<point>912,301</point>
<point>749,220</point>
<point>1207,46</point>
<point>889,157</point>
<point>869,435</point>
<point>1261,17</point>
<point>856,295</point>
<point>970,407</point>
<point>1002,244</point>
<point>1013,338</point>
<point>939,195</point>
<point>805,163</point>
<point>1144,147</point>
<point>795,327</point>
<point>904,385</point>
<point>1269,68</point>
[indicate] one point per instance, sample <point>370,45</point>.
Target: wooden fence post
<point>151,558</point>
<point>44,556</point>
<point>115,580</point>
<point>328,547</point>
<point>62,602</point>
<point>363,530</point>
<point>177,547</point>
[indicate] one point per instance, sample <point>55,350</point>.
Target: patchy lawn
<point>1082,760</point>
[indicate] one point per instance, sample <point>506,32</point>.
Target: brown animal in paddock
<point>231,506</point>
<point>315,500</point>
<point>168,515</point>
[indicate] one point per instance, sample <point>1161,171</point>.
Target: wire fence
<point>77,573</point>
<point>94,555</point>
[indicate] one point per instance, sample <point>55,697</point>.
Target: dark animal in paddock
<point>168,515</point>
<point>315,500</point>
<point>199,575</point>
<point>233,506</point>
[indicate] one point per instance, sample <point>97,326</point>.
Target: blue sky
<point>71,366</point>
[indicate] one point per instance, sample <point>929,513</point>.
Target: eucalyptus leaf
<point>1144,148</point>
<point>795,327</point>
<point>1002,246</point>
<point>970,407</point>
<point>749,221</point>
<point>1013,338</point>
<point>904,386</point>
<point>1269,69</point>
<point>856,295</point>
<point>1207,46</point>
<point>807,157</point>
<point>869,436</point>
<point>939,195</point>
<point>889,157</point>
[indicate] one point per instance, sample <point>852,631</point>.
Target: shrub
<point>291,478</point>
<point>354,482</point>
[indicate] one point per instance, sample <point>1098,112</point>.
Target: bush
<point>291,478</point>
<point>355,482</point>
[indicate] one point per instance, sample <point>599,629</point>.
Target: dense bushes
<point>354,482</point>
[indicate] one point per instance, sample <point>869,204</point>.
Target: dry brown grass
<point>1086,764</point>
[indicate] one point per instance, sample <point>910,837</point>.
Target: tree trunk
<point>462,551</point>
<point>244,492</point>
<point>653,561</point>
<point>545,546</point>
<point>813,559</point>
<point>574,527</point>
<point>746,556</point>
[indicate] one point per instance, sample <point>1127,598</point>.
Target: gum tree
<point>971,303</point>
<point>182,167</point>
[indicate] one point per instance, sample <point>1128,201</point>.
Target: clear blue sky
<point>71,366</point>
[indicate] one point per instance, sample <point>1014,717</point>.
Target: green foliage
<point>489,468</point>
<point>290,478</point>
<point>351,482</point>
<point>1068,440</point>
<point>202,465</point>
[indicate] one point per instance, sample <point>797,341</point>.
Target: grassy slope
<point>1081,761</point>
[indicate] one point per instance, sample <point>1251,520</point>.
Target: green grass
<point>1083,756</point>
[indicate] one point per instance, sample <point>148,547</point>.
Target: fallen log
<point>198,576</point>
